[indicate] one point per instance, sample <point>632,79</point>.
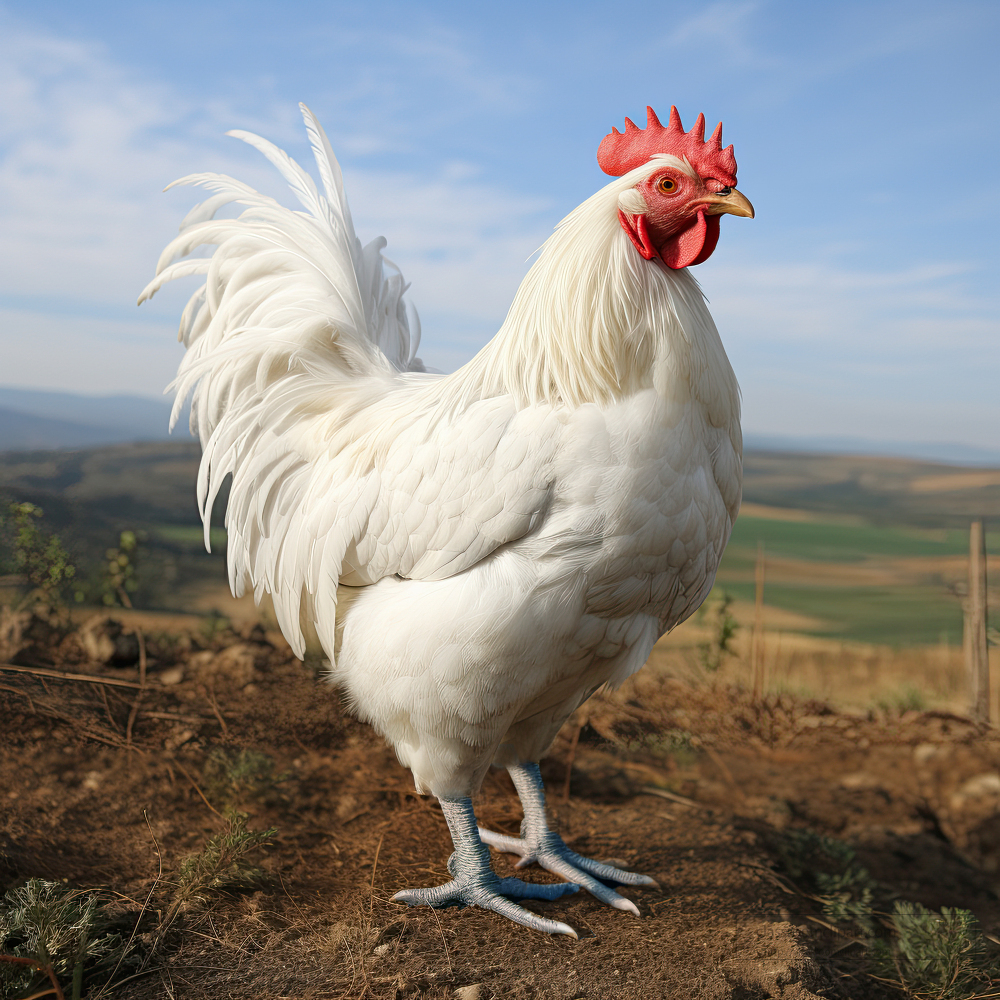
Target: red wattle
<point>692,246</point>
<point>638,233</point>
<point>688,247</point>
<point>711,239</point>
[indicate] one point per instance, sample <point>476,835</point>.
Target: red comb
<point>621,152</point>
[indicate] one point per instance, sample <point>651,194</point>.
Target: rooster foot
<point>476,884</point>
<point>540,845</point>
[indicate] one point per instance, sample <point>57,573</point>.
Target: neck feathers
<point>595,323</point>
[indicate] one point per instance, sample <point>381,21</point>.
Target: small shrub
<point>118,578</point>
<point>57,927</point>
<point>38,556</point>
<point>214,626</point>
<point>934,955</point>
<point>221,867</point>
<point>827,867</point>
<point>724,627</point>
<point>906,699</point>
<point>232,778</point>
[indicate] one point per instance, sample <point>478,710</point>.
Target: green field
<point>880,584</point>
<point>191,535</point>
<point>863,548</point>
<point>831,542</point>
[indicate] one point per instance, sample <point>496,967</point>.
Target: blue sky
<point>862,300</point>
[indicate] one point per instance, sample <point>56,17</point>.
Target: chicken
<point>477,552</point>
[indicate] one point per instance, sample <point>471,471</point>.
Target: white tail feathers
<point>284,291</point>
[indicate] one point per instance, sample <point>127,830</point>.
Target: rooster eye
<point>667,185</point>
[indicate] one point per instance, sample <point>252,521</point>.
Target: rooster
<point>477,552</point>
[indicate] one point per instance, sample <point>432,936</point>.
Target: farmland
<point>119,774</point>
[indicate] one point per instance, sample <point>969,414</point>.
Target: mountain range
<point>37,420</point>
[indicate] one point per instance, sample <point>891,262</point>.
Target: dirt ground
<point>111,785</point>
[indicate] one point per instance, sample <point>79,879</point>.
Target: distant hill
<point>32,419</point>
<point>35,419</point>
<point>932,451</point>
<point>154,482</point>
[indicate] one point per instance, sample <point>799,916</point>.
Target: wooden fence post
<point>757,638</point>
<point>977,661</point>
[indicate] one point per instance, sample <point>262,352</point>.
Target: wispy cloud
<point>88,144</point>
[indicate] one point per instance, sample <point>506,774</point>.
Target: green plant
<point>724,628</point>
<point>828,869</point>
<point>234,777</point>
<point>38,556</point>
<point>938,956</point>
<point>118,578</point>
<point>220,867</point>
<point>58,928</point>
<point>214,625</point>
<point>906,699</point>
<point>678,744</point>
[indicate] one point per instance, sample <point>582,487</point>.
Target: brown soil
<point>693,783</point>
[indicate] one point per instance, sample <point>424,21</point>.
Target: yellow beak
<point>733,203</point>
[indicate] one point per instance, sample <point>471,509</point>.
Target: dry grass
<point>851,676</point>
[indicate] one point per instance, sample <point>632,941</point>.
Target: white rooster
<point>477,552</point>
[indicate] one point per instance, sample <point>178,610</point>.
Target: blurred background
<point>860,308</point>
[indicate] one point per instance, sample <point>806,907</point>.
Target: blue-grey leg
<point>474,882</point>
<point>538,843</point>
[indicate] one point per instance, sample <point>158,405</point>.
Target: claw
<point>474,882</point>
<point>540,845</point>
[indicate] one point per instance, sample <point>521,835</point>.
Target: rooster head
<point>686,184</point>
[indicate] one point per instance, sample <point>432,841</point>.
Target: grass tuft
<point>58,928</point>
<point>222,865</point>
<point>232,778</point>
<point>935,956</point>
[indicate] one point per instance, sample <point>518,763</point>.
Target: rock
<point>13,626</point>
<point>32,635</point>
<point>236,666</point>
<point>105,640</point>
<point>859,781</point>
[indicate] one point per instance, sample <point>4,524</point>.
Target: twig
<point>371,892</point>
<point>112,739</point>
<point>31,704</point>
<point>107,707</point>
<point>142,685</point>
<point>785,885</point>
<point>836,930</point>
<point>218,713</point>
<point>444,941</point>
<point>142,909</point>
<point>173,716</point>
<point>194,784</point>
<point>47,969</point>
<point>59,675</point>
<point>569,761</point>
<point>672,796</point>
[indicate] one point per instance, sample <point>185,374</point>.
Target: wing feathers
<point>343,467</point>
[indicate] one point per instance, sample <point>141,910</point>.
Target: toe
<point>509,845</point>
<point>526,918</point>
<point>609,873</point>
<point>514,888</point>
<point>449,894</point>
<point>598,890</point>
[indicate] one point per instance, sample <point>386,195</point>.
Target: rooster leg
<point>476,884</point>
<point>538,843</point>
